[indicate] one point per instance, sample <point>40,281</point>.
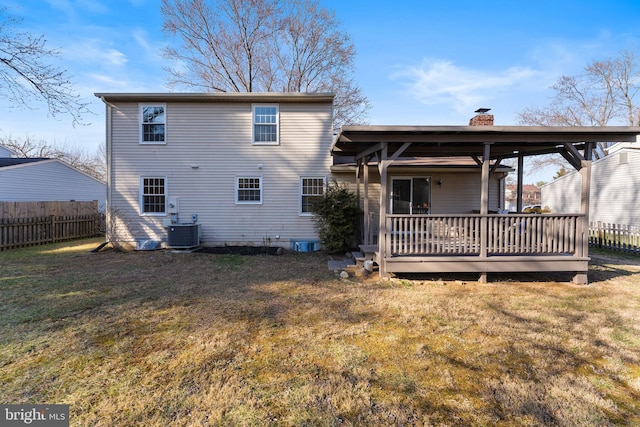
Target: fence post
<point>52,224</point>
<point>600,234</point>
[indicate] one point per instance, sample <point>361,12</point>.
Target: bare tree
<point>602,95</point>
<point>263,45</point>
<point>25,72</point>
<point>94,165</point>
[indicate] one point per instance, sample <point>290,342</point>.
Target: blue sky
<point>421,62</point>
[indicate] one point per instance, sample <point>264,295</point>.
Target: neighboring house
<point>615,185</point>
<point>530,196</point>
<point>5,152</point>
<point>242,169</point>
<point>39,180</point>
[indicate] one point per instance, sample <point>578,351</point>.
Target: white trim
<point>141,124</point>
<point>300,195</point>
<point>248,202</point>
<point>253,124</point>
<point>141,195</point>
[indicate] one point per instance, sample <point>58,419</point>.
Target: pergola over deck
<point>483,242</point>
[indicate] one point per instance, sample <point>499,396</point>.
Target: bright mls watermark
<point>34,415</point>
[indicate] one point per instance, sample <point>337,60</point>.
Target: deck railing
<point>512,234</point>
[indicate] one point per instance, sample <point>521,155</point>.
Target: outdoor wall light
<point>260,165</point>
<point>194,166</point>
<point>440,182</point>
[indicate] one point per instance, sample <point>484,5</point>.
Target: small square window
<point>311,189</point>
<point>249,190</point>
<point>265,124</point>
<point>152,124</point>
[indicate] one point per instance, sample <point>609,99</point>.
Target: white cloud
<point>442,82</point>
<point>141,38</point>
<point>115,57</point>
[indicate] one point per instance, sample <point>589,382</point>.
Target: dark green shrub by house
<point>337,218</point>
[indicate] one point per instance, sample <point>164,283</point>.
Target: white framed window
<point>153,195</point>
<point>311,189</point>
<point>249,190</point>
<point>153,123</point>
<point>266,120</point>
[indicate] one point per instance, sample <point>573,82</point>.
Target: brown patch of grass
<point>159,338</point>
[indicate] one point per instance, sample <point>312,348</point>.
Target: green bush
<point>337,218</point>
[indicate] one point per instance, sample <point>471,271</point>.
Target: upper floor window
<point>249,189</point>
<point>153,123</point>
<point>153,195</point>
<point>265,124</point>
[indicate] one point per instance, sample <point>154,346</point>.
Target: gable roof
<point>217,97</point>
<point>12,161</point>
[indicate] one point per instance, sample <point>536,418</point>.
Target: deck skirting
<point>491,264</point>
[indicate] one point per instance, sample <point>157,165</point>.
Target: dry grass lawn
<point>159,339</point>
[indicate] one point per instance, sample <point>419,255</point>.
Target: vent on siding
<point>623,158</point>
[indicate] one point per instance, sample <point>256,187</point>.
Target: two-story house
<point>244,167</point>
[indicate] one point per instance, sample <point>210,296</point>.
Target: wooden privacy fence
<point>14,210</point>
<point>37,223</point>
<point>16,233</point>
<point>619,237</point>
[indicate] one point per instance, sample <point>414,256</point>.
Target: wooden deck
<point>483,244</point>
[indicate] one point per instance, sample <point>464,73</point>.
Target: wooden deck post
<point>520,182</point>
<point>484,206</point>
<point>367,218</point>
<point>383,241</point>
<point>582,243</point>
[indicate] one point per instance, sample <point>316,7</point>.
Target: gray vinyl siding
<point>4,152</point>
<point>49,180</point>
<point>217,137</point>
<point>563,194</point>
<point>459,193</point>
<point>614,189</point>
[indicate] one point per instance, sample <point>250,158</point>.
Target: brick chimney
<point>482,118</point>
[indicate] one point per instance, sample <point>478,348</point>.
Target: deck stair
<point>355,259</point>
<point>370,253</point>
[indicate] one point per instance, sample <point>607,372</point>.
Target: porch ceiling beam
<point>446,150</point>
<point>574,151</point>
<point>371,150</point>
<point>477,160</point>
<point>588,151</point>
<point>576,163</point>
<point>468,137</point>
<point>400,150</point>
<point>496,165</point>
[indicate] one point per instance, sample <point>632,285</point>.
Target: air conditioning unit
<point>183,236</point>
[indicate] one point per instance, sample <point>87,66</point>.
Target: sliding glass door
<point>411,195</point>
